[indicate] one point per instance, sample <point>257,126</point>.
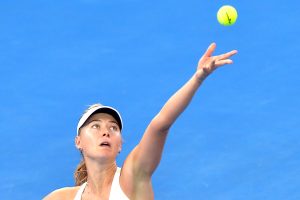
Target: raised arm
<point>146,156</point>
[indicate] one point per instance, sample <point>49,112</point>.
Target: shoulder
<point>66,193</point>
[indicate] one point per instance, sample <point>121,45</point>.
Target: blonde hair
<point>80,174</point>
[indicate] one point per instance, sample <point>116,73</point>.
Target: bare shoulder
<point>66,193</point>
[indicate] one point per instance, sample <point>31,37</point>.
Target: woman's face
<point>100,137</point>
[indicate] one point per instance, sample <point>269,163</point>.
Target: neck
<point>100,177</point>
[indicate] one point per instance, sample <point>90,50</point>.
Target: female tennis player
<point>99,140</point>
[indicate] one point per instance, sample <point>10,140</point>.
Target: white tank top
<point>116,192</point>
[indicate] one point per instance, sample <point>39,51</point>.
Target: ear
<point>120,148</point>
<point>77,142</point>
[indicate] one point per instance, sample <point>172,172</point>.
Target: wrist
<point>201,75</point>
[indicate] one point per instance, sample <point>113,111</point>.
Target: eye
<point>95,126</point>
<point>114,128</point>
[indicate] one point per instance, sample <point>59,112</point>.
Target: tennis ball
<point>227,15</point>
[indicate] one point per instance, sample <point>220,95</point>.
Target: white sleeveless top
<point>116,192</point>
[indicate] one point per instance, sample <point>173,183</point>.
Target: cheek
<point>119,140</point>
<point>88,138</point>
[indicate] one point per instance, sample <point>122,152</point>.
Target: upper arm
<point>62,194</point>
<point>143,160</point>
<point>52,196</point>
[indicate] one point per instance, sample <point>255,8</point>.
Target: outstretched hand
<point>208,63</point>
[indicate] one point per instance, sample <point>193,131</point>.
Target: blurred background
<point>238,139</point>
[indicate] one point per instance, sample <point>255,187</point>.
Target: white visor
<point>100,109</point>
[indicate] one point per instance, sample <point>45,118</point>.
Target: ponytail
<point>80,174</point>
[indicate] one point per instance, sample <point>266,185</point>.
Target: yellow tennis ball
<point>227,15</point>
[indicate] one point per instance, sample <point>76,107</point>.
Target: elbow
<point>160,124</point>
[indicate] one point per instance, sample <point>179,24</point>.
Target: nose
<point>106,134</point>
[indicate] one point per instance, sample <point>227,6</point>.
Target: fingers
<point>227,55</point>
<point>209,63</point>
<point>224,58</point>
<point>210,50</point>
<point>223,62</point>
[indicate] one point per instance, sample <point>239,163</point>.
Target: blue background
<point>238,139</point>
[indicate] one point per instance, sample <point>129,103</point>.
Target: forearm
<point>178,102</point>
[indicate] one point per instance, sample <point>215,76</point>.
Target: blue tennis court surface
<point>238,139</point>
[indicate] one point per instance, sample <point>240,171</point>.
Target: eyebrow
<point>99,120</point>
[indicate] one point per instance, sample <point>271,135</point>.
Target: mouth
<point>105,144</point>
